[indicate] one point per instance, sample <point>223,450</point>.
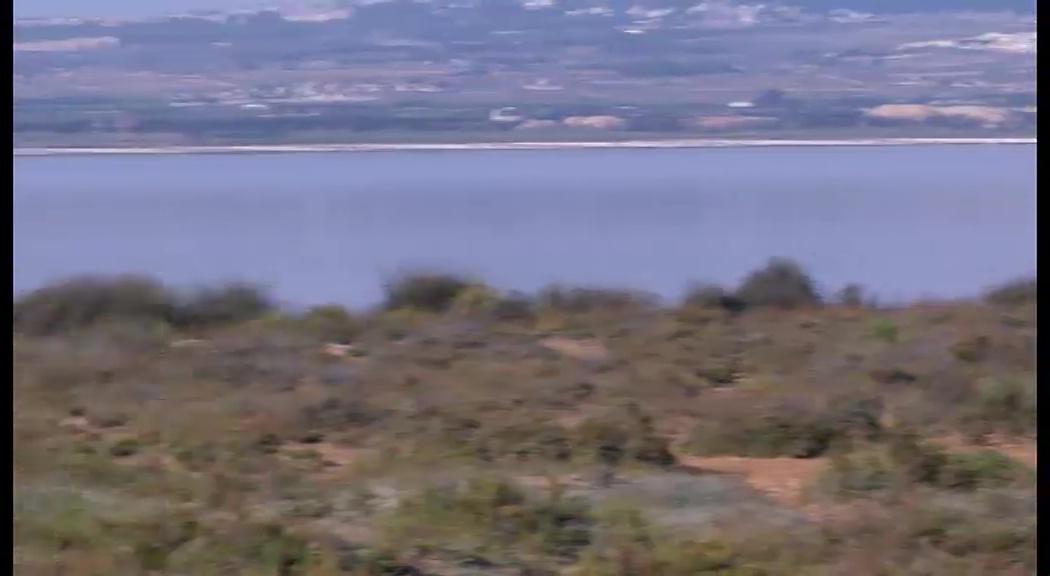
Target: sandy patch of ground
<point>580,349</point>
<point>782,479</point>
<point>785,479</point>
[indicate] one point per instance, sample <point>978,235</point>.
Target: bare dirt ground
<point>785,479</point>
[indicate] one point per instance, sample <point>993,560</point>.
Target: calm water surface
<point>903,221</point>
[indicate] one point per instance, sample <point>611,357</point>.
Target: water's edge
<point>690,143</point>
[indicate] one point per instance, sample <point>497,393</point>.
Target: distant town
<point>510,70</point>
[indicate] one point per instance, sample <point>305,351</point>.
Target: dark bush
<point>981,469</point>
<point>794,427</point>
<point>125,447</point>
<point>711,297</point>
<point>903,461</point>
<point>492,512</point>
<point>622,437</point>
<point>1007,405</point>
<point>1015,293</point>
<point>916,460</point>
<point>781,283</point>
<point>617,438</point>
<point>331,323</point>
<point>778,429</point>
<point>338,413</point>
<point>264,360</point>
<point>907,461</point>
<point>514,307</point>
<point>525,440</point>
<point>856,417</point>
<point>90,300</point>
<point>854,296</point>
<point>858,473</point>
<point>425,291</point>
<point>230,304</point>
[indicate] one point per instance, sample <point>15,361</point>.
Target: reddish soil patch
<point>782,479</point>
<point>581,349</point>
<point>335,454</point>
<point>77,424</point>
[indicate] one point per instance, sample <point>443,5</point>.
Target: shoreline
<point>434,147</point>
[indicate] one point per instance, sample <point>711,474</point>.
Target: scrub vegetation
<point>767,428</point>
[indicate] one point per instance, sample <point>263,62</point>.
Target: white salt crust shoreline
<point>635,144</point>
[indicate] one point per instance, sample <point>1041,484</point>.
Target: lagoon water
<point>904,221</point>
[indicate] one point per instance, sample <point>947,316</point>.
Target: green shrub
<point>425,291</point>
<point>885,330</point>
<point>523,441</point>
<point>514,307</point>
<point>858,473</point>
<point>491,514</point>
<point>86,301</point>
<point>125,447</point>
<point>904,462</point>
<point>981,469</point>
<point>918,461</point>
<point>971,350</point>
<point>1001,405</point>
<point>781,283</point>
<point>854,296</point>
<point>621,437</point>
<point>476,300</point>
<point>907,461</point>
<point>1014,293</point>
<point>793,427</point>
<point>331,323</point>
<point>222,305</point>
<point>156,540</point>
<point>711,297</point>
<point>797,436</point>
<point>90,301</point>
<point>993,524</point>
<point>626,543</point>
<point>618,437</point>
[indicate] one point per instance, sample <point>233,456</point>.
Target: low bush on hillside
<point>795,427</point>
<point>228,304</point>
<point>906,461</point>
<point>424,291</point>
<point>91,300</point>
<point>1006,406</point>
<point>491,516</point>
<point>781,283</point>
<point>1014,293</point>
<point>712,297</point>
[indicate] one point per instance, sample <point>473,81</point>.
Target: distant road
<point>694,143</point>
